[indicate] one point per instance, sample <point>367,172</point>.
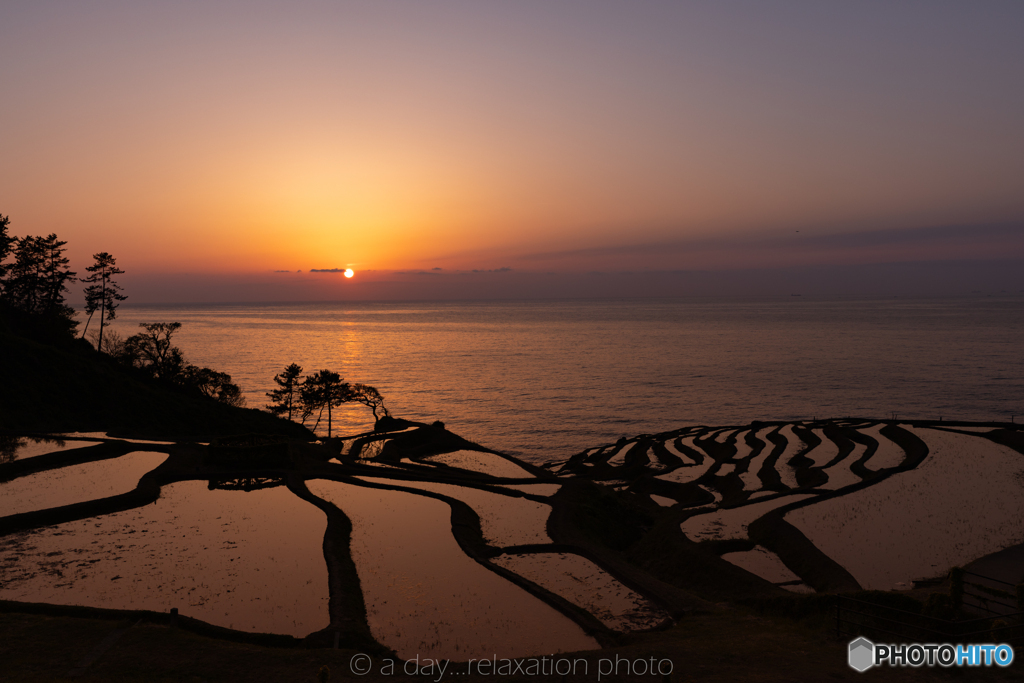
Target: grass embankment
<point>71,388</point>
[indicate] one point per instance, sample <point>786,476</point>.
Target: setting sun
<point>349,272</point>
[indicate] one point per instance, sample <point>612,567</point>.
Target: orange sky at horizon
<point>253,137</point>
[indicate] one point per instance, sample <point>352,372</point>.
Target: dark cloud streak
<point>804,247</point>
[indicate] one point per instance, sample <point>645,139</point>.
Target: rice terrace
<point>511,342</point>
<point>412,543</point>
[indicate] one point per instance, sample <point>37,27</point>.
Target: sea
<point>543,380</point>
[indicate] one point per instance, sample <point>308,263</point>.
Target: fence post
<point>956,588</point>
<point>838,633</point>
<point>996,627</point>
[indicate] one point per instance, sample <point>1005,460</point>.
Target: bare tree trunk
<point>87,325</point>
<point>103,312</point>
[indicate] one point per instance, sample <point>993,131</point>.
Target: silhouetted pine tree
<point>285,400</point>
<point>56,276</point>
<point>369,397</point>
<point>6,243</point>
<point>102,293</point>
<point>325,389</point>
<point>36,282</point>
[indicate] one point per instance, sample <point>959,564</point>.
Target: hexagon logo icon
<point>862,654</point>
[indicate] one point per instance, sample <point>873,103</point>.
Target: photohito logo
<point>863,654</point>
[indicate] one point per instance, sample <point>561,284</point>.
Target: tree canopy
<point>34,283</point>
<point>152,352</point>
<point>286,399</point>
<point>34,278</point>
<point>216,385</point>
<point>371,398</point>
<point>6,243</point>
<point>102,292</point>
<point>323,390</point>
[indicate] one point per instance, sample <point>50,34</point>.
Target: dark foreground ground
<point>724,645</point>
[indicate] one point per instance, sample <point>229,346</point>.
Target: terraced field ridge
<point>828,505</point>
<point>414,541</point>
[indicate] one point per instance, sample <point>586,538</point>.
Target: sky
<point>526,148</point>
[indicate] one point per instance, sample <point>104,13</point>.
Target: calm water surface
<point>544,379</point>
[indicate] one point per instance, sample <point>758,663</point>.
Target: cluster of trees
<point>34,279</point>
<point>152,353</point>
<point>34,282</point>
<point>302,397</point>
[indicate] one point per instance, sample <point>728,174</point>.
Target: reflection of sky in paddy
<point>687,473</point>
<point>487,463</point>
<point>251,561</point>
<point>824,452</point>
<point>620,455</point>
<point>76,483</point>
<point>670,446</point>
<point>425,597</point>
<point>742,448</point>
<point>535,489</point>
<point>583,583</point>
<point>793,446</point>
<point>691,442</point>
<point>888,453</point>
<point>732,522</point>
<point>762,562</point>
<point>19,448</point>
<point>722,436</point>
<point>894,531</point>
<point>504,520</point>
<point>751,482</point>
<point>840,474</point>
<point>714,493</point>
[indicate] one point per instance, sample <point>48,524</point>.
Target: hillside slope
<point>73,388</point>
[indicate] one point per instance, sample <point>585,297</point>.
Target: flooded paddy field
<point>544,490</point>
<point>505,520</point>
<point>251,561</point>
<point>425,596</point>
<point>19,448</point>
<point>894,532</point>
<point>542,567</point>
<point>76,483</point>
<point>768,566</point>
<point>719,524</point>
<point>585,584</point>
<point>484,463</point>
<point>890,503</point>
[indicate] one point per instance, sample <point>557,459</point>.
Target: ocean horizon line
<point>702,298</point>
